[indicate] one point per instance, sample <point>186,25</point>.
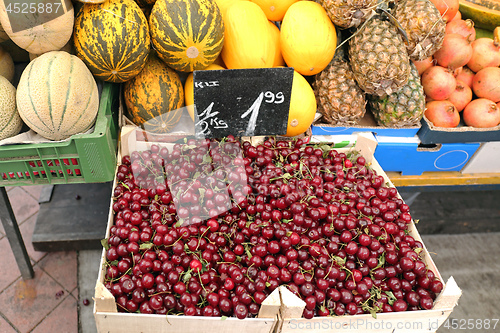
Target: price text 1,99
<point>268,97</point>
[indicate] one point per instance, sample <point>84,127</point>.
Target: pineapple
<point>402,108</point>
<point>339,99</point>
<point>348,13</point>
<point>423,25</point>
<point>378,57</point>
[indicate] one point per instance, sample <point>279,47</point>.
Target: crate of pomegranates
<point>261,235</point>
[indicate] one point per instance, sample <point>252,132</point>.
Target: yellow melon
<point>10,121</point>
<point>224,4</point>
<point>308,37</point>
<point>302,106</point>
<point>274,9</point>
<point>278,58</point>
<point>248,41</point>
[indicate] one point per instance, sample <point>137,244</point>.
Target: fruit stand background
<point>461,228</point>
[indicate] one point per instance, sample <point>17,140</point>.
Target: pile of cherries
<point>212,227</point>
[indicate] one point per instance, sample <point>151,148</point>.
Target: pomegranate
<point>486,83</point>
<point>466,75</point>
<point>458,16</point>
<point>462,27</point>
<point>482,113</point>
<point>442,113</point>
<point>457,71</point>
<point>485,53</point>
<point>422,65</point>
<point>447,8</point>
<point>455,52</point>
<point>461,96</point>
<point>438,82</point>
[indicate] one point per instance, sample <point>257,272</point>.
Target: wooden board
<point>143,323</point>
<point>444,178</point>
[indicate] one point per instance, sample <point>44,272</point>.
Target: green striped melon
<point>154,99</point>
<point>57,96</point>
<point>10,121</point>
<point>112,38</point>
<point>187,34</point>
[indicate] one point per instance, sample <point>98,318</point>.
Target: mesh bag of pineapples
<point>372,68</point>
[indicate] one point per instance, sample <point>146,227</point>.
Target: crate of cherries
<point>210,228</point>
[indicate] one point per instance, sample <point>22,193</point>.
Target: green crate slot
<point>84,158</point>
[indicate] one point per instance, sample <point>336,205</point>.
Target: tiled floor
<point>48,302</point>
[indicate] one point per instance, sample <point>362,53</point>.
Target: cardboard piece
<point>485,160</point>
<point>430,134</point>
<point>410,157</point>
<point>365,124</point>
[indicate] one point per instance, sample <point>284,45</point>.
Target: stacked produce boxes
<point>450,131</point>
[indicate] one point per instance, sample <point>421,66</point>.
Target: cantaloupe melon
<point>7,68</point>
<point>57,95</point>
<point>69,47</point>
<point>38,31</point>
<point>10,121</point>
<point>3,34</point>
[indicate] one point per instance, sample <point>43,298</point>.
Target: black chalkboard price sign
<point>242,102</point>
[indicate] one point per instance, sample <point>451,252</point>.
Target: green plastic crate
<point>84,158</point>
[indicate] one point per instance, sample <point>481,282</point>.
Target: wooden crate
<point>398,322</point>
<point>281,311</point>
<point>407,321</point>
<point>109,320</point>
